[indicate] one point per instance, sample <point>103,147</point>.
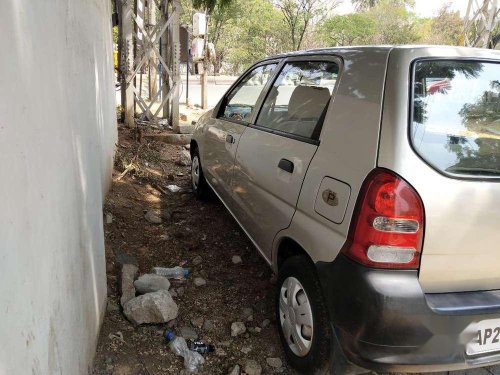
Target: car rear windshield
<point>456,116</point>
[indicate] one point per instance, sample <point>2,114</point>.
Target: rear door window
<point>456,116</point>
<point>240,102</point>
<point>299,97</point>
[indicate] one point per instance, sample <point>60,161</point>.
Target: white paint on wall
<point>57,136</point>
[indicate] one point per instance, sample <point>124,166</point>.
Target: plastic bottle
<point>192,359</point>
<point>200,347</point>
<point>177,272</point>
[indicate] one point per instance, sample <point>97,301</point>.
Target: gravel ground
<point>203,237</point>
<point>199,235</point>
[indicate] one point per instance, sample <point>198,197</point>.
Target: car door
<point>275,151</point>
<point>223,132</point>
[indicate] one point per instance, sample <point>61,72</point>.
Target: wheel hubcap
<point>195,172</point>
<point>296,316</point>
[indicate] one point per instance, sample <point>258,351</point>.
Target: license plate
<point>486,338</point>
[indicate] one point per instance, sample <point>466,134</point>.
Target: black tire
<point>319,358</point>
<point>201,189</point>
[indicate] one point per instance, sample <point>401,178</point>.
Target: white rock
<point>246,349</point>
<point>127,289</point>
<point>208,325</point>
<point>186,129</point>
<point>157,307</point>
<point>274,362</point>
<point>236,259</point>
<point>238,328</point>
<point>173,188</point>
<point>199,281</point>
<point>247,312</point>
<point>219,352</point>
<point>188,333</point>
<point>197,260</point>
<point>197,322</point>
<point>236,370</point>
<point>153,216</point>
<point>255,330</point>
<point>252,367</point>
<point>150,282</point>
<point>184,158</point>
<point>109,218</point>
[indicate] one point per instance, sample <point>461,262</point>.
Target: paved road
<point>217,86</point>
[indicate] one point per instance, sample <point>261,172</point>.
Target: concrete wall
<point>57,136</point>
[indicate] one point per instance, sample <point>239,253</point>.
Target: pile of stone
<point>146,299</point>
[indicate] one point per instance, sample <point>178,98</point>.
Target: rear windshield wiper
<point>474,171</point>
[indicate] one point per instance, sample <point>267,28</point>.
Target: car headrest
<point>308,102</point>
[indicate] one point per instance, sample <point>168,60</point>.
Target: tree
<point>300,14</point>
<point>220,20</point>
<point>253,33</point>
<point>361,5</point>
<point>210,5</point>
<point>446,28</point>
<point>347,30</point>
<point>394,24</point>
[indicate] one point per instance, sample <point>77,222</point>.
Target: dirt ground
<point>195,229</point>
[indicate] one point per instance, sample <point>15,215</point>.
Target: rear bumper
<point>385,322</point>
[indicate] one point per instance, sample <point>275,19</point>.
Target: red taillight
<point>388,223</point>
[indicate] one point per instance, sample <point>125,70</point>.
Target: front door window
<point>240,103</point>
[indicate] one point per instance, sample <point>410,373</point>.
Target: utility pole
<point>164,54</point>
<point>204,74</point>
<point>153,61</point>
<point>127,61</point>
<point>162,42</point>
<point>176,72</point>
<point>480,20</point>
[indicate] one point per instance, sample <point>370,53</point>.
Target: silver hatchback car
<point>369,179</point>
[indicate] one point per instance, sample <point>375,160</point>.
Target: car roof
<point>341,51</point>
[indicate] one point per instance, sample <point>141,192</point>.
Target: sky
<point>424,8</point>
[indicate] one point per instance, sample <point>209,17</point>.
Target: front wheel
<point>198,182</point>
<point>302,317</point>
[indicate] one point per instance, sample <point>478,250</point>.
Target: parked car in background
<point>369,179</point>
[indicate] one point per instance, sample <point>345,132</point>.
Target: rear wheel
<point>302,317</point>
<point>198,182</point>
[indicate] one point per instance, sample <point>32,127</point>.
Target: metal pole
<point>164,55</point>
<point>204,78</point>
<point>187,66</point>
<point>176,58</point>
<point>127,60</point>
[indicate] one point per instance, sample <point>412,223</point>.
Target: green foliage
<point>395,25</point>
<point>244,31</point>
<point>253,30</point>
<point>298,16</point>
<point>447,28</point>
<point>348,30</point>
<point>210,5</point>
<point>362,5</point>
<point>384,23</point>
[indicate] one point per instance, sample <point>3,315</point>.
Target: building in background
<point>57,137</point>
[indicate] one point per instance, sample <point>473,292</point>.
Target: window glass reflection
<point>456,116</point>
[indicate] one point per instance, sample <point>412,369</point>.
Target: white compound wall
<point>57,137</point>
